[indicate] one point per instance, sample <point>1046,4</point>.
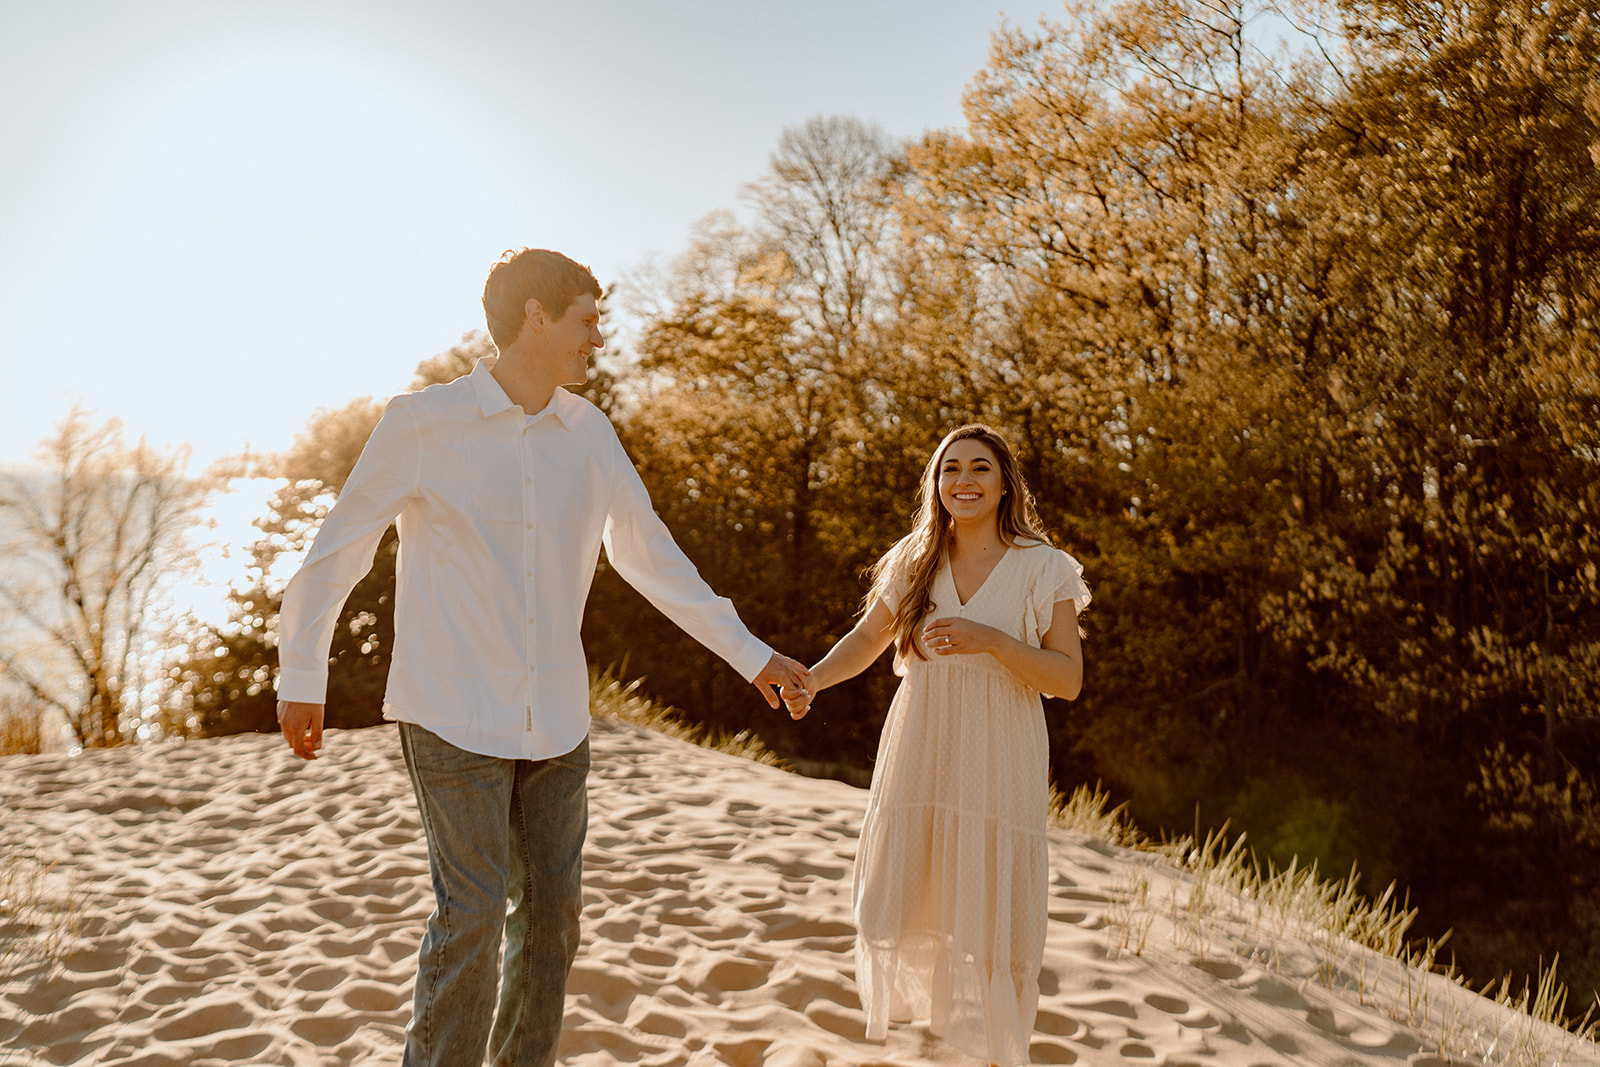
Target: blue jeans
<point>498,830</point>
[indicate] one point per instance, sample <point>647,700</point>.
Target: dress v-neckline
<point>950,569</point>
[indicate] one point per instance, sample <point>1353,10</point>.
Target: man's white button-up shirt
<point>501,518</point>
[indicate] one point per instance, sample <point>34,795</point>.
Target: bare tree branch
<point>104,526</point>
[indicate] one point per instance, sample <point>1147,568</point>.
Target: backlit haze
<point>220,216</point>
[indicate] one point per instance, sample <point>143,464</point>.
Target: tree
<point>90,542</point>
<point>753,387</point>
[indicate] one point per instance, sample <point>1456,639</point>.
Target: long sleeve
<point>378,488</point>
<point>642,550</point>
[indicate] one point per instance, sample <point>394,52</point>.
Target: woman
<point>952,871</point>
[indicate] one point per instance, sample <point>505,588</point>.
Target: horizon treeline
<point>1299,355</point>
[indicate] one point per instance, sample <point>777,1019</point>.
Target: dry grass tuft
<point>1218,897</point>
<point>39,911</point>
<point>1085,812</point>
<point>612,698</point>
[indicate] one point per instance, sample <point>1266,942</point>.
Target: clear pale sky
<point>218,216</point>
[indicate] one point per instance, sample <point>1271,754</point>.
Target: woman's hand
<point>853,654</point>
<point>1054,667</point>
<point>798,701</point>
<point>960,637</point>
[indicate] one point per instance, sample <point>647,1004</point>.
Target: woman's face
<point>970,484</point>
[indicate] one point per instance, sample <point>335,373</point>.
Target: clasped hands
<point>947,636</point>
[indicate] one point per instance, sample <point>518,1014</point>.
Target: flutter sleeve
<point>892,577</point>
<point>1059,578</point>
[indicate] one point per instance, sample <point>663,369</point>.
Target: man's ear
<point>534,312</point>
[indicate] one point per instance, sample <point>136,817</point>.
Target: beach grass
<point>39,909</point>
<point>1218,899</point>
<point>612,698</point>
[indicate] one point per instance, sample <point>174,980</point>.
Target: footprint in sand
<point>731,975</point>
<point>607,991</point>
<point>837,1019</point>
<point>657,1023</point>
<point>748,1053</point>
<point>620,931</point>
<point>332,910</point>
<point>212,1014</point>
<point>1084,920</point>
<point>325,1031</point>
<point>95,960</point>
<point>649,957</point>
<point>230,1048</point>
<point>1384,1042</point>
<point>1287,1044</point>
<point>1270,989</point>
<point>318,979</point>
<point>1050,1052</point>
<point>1225,970</point>
<point>1048,1022</point>
<point>1182,1011</point>
<point>66,1026</point>
<point>1112,1006</point>
<point>372,997</point>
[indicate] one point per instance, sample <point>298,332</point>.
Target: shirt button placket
<point>529,592</point>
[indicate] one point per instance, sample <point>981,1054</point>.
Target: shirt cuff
<point>305,687</point>
<point>750,659</point>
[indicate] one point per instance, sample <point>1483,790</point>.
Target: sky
<point>217,217</point>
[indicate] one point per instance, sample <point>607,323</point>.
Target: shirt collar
<point>492,399</point>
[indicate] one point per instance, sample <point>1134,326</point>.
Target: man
<point>505,486</point>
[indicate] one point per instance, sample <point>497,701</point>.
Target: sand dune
<point>241,907</point>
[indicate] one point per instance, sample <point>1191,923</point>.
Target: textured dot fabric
<point>952,872</point>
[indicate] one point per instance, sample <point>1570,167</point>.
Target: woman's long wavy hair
<point>917,557</point>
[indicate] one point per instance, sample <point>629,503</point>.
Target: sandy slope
<point>244,908</point>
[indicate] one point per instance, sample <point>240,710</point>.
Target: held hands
<point>788,675</point>
<point>302,727</point>
<point>796,701</point>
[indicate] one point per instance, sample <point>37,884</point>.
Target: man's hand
<point>781,671</point>
<point>302,727</point>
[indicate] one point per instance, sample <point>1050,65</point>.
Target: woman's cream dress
<point>952,872</point>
